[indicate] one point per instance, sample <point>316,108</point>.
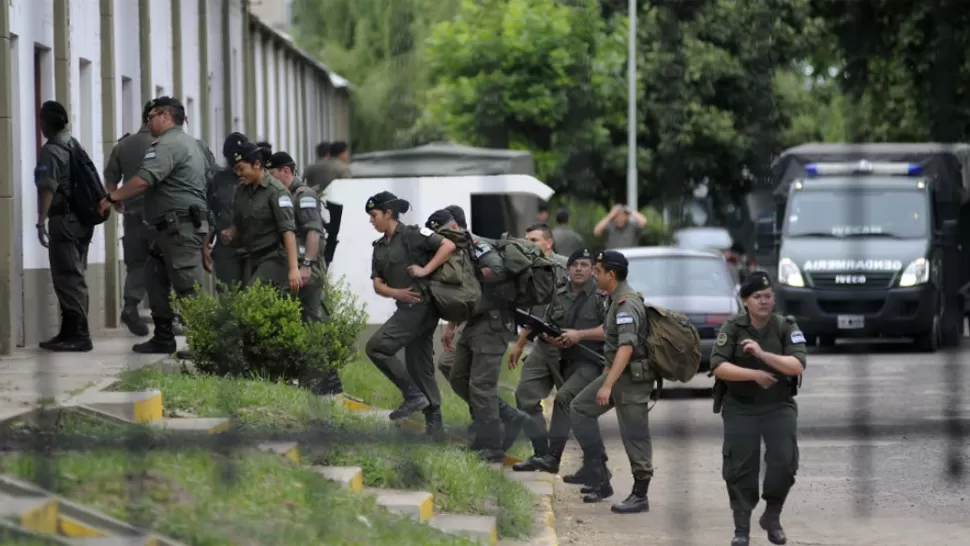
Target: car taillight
<point>717,319</point>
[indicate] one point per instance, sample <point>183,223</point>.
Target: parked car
<point>717,239</point>
<point>697,283</point>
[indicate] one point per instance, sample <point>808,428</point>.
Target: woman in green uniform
<point>402,254</point>
<point>757,359</point>
<point>263,223</point>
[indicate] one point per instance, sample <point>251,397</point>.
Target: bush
<point>259,332</point>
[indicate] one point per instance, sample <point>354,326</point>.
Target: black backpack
<point>87,191</point>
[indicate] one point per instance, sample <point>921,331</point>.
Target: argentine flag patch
<point>624,318</point>
<point>308,203</point>
<point>285,202</point>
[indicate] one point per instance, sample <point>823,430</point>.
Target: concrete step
<point>134,407</point>
<point>34,513</point>
<point>481,529</point>
<point>288,450</point>
<point>193,425</point>
<point>540,483</point>
<point>418,505</point>
<point>146,540</point>
<point>351,478</point>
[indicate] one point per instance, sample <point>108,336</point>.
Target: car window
<point>680,276</point>
<point>703,239</point>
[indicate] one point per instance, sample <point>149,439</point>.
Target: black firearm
<point>720,389</point>
<point>537,326</point>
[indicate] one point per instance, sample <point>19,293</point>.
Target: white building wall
<point>160,12</point>
<point>217,134</point>
<point>269,52</point>
<point>260,72</point>
<point>237,76</point>
<point>191,86</point>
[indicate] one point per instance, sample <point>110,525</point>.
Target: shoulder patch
<point>308,203</point>
<point>797,337</point>
<point>150,154</point>
<point>624,318</point>
<point>285,202</point>
<point>426,232</point>
<point>482,248</point>
<point>721,339</point>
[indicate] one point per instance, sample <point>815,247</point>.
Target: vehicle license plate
<point>851,322</point>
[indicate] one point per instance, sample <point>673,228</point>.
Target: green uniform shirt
<point>567,240</point>
<point>53,171</point>
<point>626,237</point>
<point>308,217</point>
<point>493,293</point>
<point>124,162</point>
<point>780,336</point>
<point>175,170</point>
<point>262,213</point>
<point>625,324</point>
<point>408,245</point>
<point>562,281</point>
<point>322,173</point>
<point>580,310</point>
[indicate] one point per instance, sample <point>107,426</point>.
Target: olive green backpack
<point>532,275</point>
<point>673,344</point>
<point>454,287</point>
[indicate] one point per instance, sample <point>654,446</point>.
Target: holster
<point>720,390</point>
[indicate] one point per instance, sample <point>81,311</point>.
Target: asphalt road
<point>878,459</point>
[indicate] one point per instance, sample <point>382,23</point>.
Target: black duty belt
<point>163,225</point>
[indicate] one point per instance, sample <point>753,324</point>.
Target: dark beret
<point>243,151</point>
<point>755,282</point>
<point>54,111</point>
<point>438,218</point>
<point>280,159</point>
<point>580,254</point>
<point>378,200</point>
<point>612,260</point>
<point>232,143</point>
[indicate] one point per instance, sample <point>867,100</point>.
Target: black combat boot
<point>488,442</point>
<point>163,342</point>
<point>599,481</point>
<point>76,338</point>
<point>540,451</point>
<point>512,422</point>
<point>771,522</point>
<point>65,330</point>
<point>546,461</point>
<point>333,384</point>
<point>742,529</point>
<point>637,501</point>
<point>131,318</point>
<point>434,425</point>
<point>414,400</point>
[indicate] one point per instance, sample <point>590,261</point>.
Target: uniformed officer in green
<point>263,222</point>
<point>626,384</point>
<point>309,239</point>
<point>579,309</point>
<point>451,332</point>
<point>59,231</point>
<point>395,265</point>
<point>227,261</point>
<point>124,161</point>
<point>173,178</point>
<point>542,369</point>
<point>758,355</point>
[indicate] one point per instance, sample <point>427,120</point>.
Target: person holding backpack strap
<point>394,268</point>
<point>60,231</point>
<point>759,355</point>
<point>626,383</point>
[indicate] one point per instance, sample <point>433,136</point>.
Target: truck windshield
<point>897,213</point>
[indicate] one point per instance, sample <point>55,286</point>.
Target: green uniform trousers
<point>744,427</point>
<point>268,268</point>
<point>631,400</point>
<point>174,264</point>
<point>577,378</point>
<point>478,366</point>
<point>541,372</point>
<point>229,267</point>
<point>68,256</point>
<point>447,360</point>
<point>411,328</point>
<point>135,244</point>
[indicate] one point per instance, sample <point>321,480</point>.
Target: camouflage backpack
<point>673,344</point>
<point>532,275</point>
<point>454,287</point>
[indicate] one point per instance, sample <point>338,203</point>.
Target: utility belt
<point>171,221</point>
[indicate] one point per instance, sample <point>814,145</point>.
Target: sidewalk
<point>31,375</point>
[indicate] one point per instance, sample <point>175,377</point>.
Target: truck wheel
<point>929,342</point>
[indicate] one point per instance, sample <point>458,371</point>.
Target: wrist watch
<point>109,199</point>
<point>309,263</point>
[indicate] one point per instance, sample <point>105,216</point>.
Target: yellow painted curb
<point>41,518</point>
<point>148,410</point>
<point>75,529</point>
<point>549,536</point>
<point>426,509</point>
<point>356,484</point>
<point>293,454</point>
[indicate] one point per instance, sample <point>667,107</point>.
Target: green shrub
<point>259,332</point>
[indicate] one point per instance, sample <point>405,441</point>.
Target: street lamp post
<point>631,162</point>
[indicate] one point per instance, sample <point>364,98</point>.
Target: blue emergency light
<point>863,167</point>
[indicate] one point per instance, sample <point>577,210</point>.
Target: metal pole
<point>631,162</point>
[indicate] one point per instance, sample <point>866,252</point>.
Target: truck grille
<point>850,281</point>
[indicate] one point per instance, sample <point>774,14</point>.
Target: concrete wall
<point>55,49</point>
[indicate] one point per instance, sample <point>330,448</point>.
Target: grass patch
<point>186,496</point>
<point>459,481</point>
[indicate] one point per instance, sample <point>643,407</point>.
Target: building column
<point>109,135</point>
<point>264,40</point>
<point>177,51</point>
<point>62,54</point>
<point>145,50</point>
<point>227,68</point>
<point>8,232</point>
<point>306,146</point>
<point>205,122</point>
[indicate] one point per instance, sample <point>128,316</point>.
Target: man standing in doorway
<point>125,160</point>
<point>59,231</point>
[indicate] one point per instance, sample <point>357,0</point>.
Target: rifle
<point>537,326</point>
